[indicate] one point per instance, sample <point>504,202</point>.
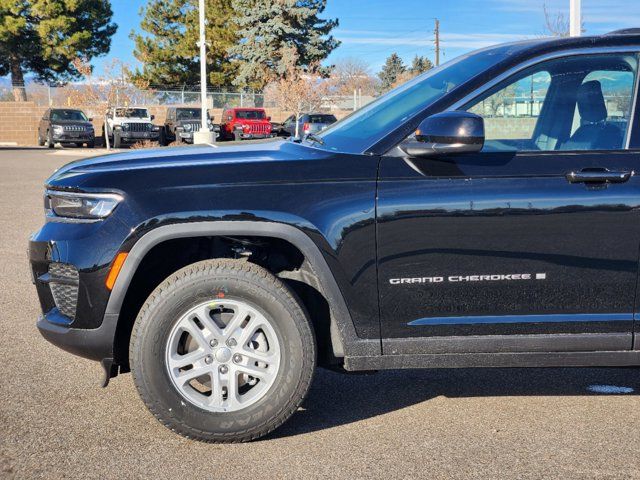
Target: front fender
<point>351,344</point>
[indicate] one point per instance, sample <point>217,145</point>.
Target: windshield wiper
<point>314,138</point>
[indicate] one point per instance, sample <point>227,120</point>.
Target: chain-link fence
<point>126,94</point>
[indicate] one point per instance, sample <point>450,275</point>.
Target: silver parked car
<point>308,123</point>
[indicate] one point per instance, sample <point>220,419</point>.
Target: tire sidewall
<point>150,356</point>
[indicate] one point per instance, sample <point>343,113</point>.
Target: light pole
<point>204,135</point>
<point>575,18</point>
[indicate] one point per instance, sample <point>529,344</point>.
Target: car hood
<point>70,122</point>
<point>274,161</point>
<point>132,120</point>
<point>190,120</point>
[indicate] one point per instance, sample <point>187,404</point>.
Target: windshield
<point>363,128</point>
<point>73,115</point>
<point>321,119</point>
<point>188,114</point>
<point>132,112</point>
<point>250,114</point>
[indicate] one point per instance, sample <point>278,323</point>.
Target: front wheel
<point>49,143</point>
<point>222,351</point>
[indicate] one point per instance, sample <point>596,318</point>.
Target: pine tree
<point>44,37</point>
<point>420,65</point>
<point>268,28</point>
<point>391,70</point>
<point>168,50</point>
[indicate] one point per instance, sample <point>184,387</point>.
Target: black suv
<point>67,127</point>
<point>181,123</point>
<point>484,214</point>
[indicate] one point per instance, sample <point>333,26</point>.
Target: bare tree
<point>114,86</point>
<point>299,91</point>
<point>351,74</point>
<point>557,24</point>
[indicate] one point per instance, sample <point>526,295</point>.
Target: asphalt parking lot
<point>56,422</point>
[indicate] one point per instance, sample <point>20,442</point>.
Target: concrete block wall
<point>19,120</point>
<point>17,126</point>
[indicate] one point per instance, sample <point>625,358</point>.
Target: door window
<point>572,103</point>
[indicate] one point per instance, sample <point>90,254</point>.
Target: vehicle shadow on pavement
<point>6,148</point>
<point>337,399</point>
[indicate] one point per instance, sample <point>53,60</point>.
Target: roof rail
<point>625,31</point>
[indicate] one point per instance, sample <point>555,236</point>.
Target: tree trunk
<point>17,81</point>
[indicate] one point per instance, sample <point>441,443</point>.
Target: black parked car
<point>182,122</point>
<point>67,127</point>
<point>484,214</point>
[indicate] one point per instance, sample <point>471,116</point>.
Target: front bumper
<point>186,137</point>
<point>74,137</point>
<point>69,264</point>
<point>94,344</point>
<point>254,136</point>
<point>133,137</point>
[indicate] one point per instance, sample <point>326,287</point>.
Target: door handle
<point>598,175</point>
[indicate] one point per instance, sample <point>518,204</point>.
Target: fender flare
<point>344,338</point>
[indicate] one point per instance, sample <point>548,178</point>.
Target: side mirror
<point>269,119</point>
<point>445,134</point>
<point>91,119</point>
<point>152,117</point>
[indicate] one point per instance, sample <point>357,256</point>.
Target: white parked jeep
<point>128,125</point>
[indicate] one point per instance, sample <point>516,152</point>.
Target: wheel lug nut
<point>224,369</point>
<point>237,358</point>
<point>208,359</point>
<point>213,342</point>
<point>231,342</point>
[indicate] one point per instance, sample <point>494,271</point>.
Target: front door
<point>531,244</point>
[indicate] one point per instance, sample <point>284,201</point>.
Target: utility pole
<point>437,41</point>
<point>575,18</point>
<point>204,135</point>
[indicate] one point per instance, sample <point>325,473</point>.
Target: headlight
<point>187,127</point>
<point>126,126</point>
<point>58,129</point>
<point>80,206</point>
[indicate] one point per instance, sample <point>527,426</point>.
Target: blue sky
<point>373,29</point>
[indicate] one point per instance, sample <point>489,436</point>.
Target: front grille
<point>259,128</point>
<point>138,127</point>
<point>195,126</point>
<point>74,128</point>
<point>63,282</point>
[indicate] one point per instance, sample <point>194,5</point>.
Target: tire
<point>49,141</point>
<point>216,285</point>
<point>91,144</point>
<point>116,140</point>
<point>162,138</point>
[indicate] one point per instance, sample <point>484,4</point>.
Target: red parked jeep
<point>241,123</point>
